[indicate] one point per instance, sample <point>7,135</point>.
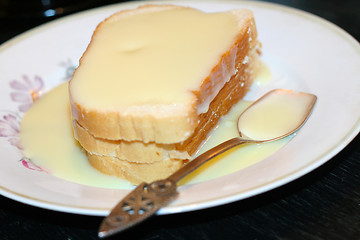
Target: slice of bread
<point>151,135</point>
<point>154,120</point>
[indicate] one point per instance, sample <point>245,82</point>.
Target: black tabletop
<point>324,204</point>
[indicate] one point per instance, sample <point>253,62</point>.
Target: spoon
<point>282,110</point>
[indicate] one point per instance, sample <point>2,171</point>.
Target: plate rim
<point>314,164</point>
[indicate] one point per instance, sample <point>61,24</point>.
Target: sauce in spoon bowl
<point>277,114</point>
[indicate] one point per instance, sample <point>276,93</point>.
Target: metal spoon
<point>147,198</point>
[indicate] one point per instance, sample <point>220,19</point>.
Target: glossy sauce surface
<point>47,137</point>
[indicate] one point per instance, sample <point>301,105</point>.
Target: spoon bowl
<point>277,114</point>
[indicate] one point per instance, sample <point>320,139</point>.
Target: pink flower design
<point>10,128</point>
<point>27,91</point>
<point>30,165</point>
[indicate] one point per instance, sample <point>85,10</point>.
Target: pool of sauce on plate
<point>47,137</point>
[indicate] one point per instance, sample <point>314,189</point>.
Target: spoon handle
<point>206,156</point>
<point>146,199</point>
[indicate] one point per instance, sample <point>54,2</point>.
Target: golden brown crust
<point>230,94</point>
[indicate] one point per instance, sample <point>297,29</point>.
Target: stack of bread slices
<point>154,81</point>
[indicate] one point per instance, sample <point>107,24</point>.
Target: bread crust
<point>135,172</point>
<point>162,124</point>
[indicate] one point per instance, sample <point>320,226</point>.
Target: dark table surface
<point>324,204</point>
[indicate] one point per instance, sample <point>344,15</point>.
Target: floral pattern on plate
<point>25,92</point>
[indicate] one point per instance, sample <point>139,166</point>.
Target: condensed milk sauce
<point>47,137</point>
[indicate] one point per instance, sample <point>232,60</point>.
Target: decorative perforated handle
<point>138,205</point>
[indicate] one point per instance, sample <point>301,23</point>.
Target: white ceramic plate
<point>303,51</point>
